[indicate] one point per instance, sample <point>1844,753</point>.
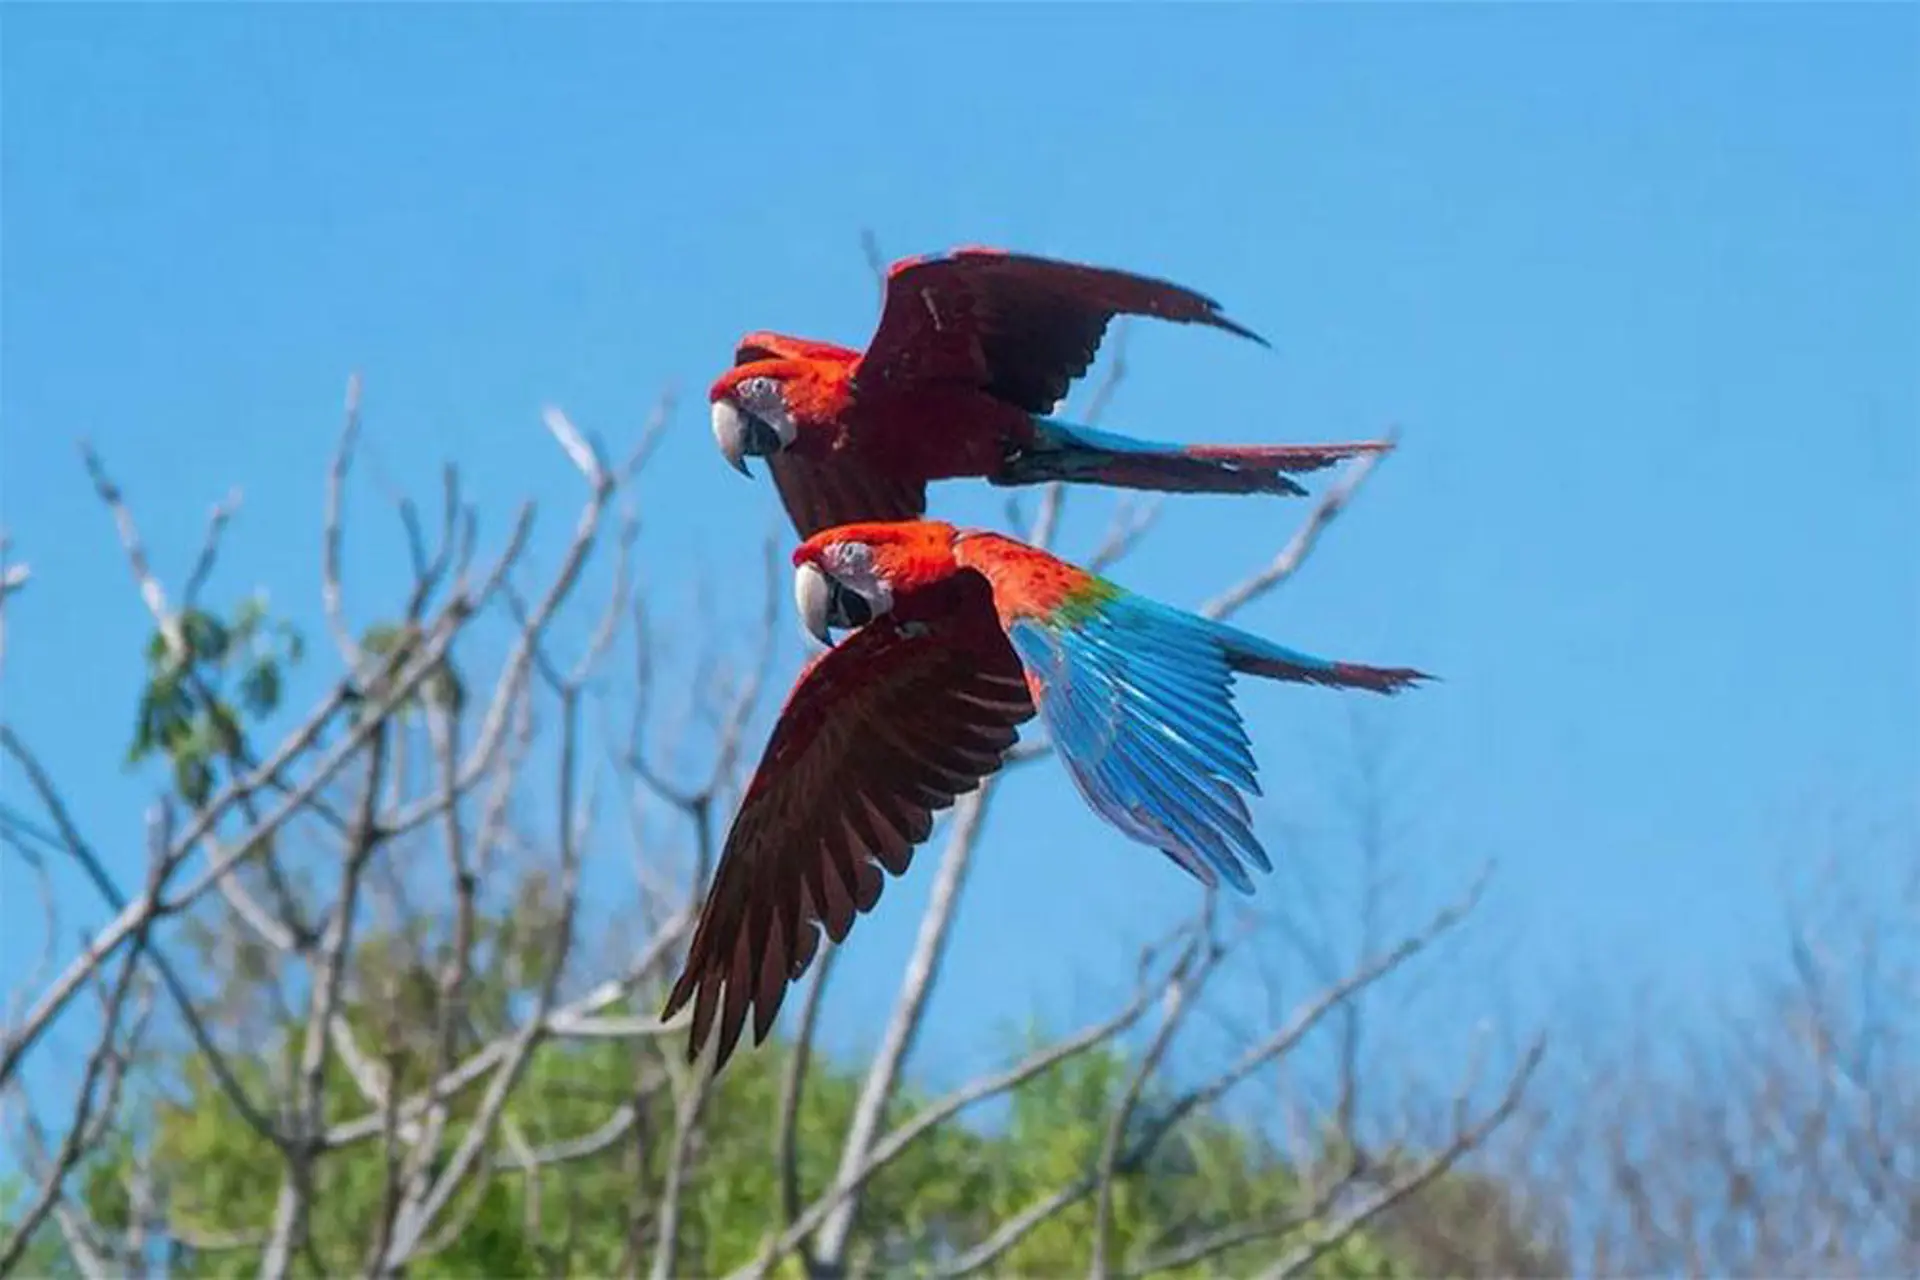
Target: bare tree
<point>421,830</point>
<point>1769,1129</point>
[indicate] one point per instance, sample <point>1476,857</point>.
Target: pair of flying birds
<point>959,636</point>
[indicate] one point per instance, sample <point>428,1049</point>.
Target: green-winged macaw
<point>957,638</point>
<point>974,351</point>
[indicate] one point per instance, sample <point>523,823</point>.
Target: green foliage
<point>45,1256</point>
<point>943,1195</point>
<point>203,683</point>
<point>392,648</point>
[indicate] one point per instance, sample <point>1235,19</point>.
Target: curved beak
<point>813,597</point>
<point>730,433</point>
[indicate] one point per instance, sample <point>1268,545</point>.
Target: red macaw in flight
<point>957,638</point>
<point>974,350</point>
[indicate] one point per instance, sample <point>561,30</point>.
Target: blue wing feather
<point>1119,790</point>
<point>1137,698</point>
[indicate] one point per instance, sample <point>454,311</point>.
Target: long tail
<point>1251,655</point>
<point>1065,451</point>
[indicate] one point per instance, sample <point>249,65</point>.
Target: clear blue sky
<point>1642,285</point>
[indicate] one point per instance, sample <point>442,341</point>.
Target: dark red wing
<point>879,733</point>
<point>1018,326</point>
<point>821,495</point>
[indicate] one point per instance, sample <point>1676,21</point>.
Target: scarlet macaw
<point>958,636</point>
<point>974,350</point>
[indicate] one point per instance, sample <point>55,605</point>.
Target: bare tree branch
<point>887,1149</point>
<point>330,593</point>
<point>793,1084</point>
<point>303,1144</point>
<point>1325,1236</point>
<point>1295,553</point>
<point>106,1064</point>
<point>217,519</point>
<point>14,577</point>
<point>1280,1043</point>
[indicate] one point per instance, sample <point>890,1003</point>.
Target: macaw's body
<point>959,637</point>
<point>974,350</point>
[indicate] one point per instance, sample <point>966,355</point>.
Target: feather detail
<point>1082,455</point>
<point>1138,698</point>
<point>1020,327</point>
<point>879,734</point>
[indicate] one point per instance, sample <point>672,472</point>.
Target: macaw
<point>974,350</point>
<point>957,637</point>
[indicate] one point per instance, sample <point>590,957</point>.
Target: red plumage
<point>911,710</point>
<point>879,733</point>
<point>972,347</point>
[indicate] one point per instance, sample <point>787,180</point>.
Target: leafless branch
<point>916,986</point>
<point>1295,553</point>
<point>793,1083</point>
<point>106,1065</point>
<point>163,860</point>
<point>14,577</point>
<point>151,592</point>
<point>887,1149</point>
<point>1323,1236</point>
<point>217,519</point>
<point>330,593</point>
<point>1273,1047</point>
<point>303,1143</point>
<point>1177,1001</point>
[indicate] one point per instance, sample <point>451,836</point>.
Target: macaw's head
<point>847,576</point>
<point>752,413</point>
<point>778,384</point>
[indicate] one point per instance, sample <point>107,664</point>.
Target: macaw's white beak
<point>813,597</point>
<point>730,430</point>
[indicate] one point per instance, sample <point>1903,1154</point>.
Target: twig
<point>876,261</point>
<point>330,594</point>
<point>1181,989</point>
<point>105,1062</point>
<point>13,579</point>
<point>304,1144</point>
<point>154,596</point>
<point>483,1062</point>
<point>579,450</point>
<point>1326,1236</point>
<point>688,1114</point>
<point>164,861</point>
<point>793,1082</point>
<point>221,861</point>
<point>616,1127</point>
<point>217,519</point>
<point>416,1218</point>
<point>885,1151</point>
<point>493,724</point>
<point>1131,523</point>
<point>1275,1046</point>
<point>1300,546</point>
<point>916,986</point>
<point>651,433</point>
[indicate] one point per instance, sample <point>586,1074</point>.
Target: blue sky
<point>1641,285</point>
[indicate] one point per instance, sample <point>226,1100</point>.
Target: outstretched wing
<point>879,733</point>
<point>1143,717</point>
<point>840,490</point>
<point>1019,326</point>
